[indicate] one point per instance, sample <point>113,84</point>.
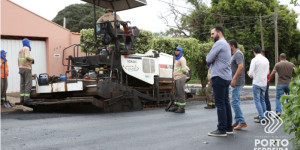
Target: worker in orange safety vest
<point>4,74</point>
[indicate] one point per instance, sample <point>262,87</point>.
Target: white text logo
<point>272,122</point>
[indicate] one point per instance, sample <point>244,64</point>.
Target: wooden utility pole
<point>276,34</point>
<point>261,33</point>
<point>276,37</point>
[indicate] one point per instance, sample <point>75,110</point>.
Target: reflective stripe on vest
<point>22,94</point>
<point>113,45</point>
<point>27,94</point>
<point>22,59</point>
<point>180,69</point>
<point>179,104</point>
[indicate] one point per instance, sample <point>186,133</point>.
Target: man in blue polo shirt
<point>220,58</point>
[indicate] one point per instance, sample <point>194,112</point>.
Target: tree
<point>87,41</point>
<point>240,19</point>
<point>78,16</point>
<point>295,2</point>
<point>143,43</point>
<point>196,21</point>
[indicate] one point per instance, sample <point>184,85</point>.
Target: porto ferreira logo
<point>272,122</point>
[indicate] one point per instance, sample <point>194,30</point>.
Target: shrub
<point>291,116</point>
<point>87,41</point>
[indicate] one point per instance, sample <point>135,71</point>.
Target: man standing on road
<point>267,99</point>
<point>237,83</point>
<point>258,71</point>
<point>4,74</point>
<point>220,58</point>
<point>24,63</point>
<point>180,71</point>
<point>285,71</point>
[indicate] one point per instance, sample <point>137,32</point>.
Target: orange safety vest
<point>4,72</point>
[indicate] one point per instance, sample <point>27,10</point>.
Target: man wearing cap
<point>180,71</point>
<point>109,16</point>
<point>4,74</point>
<point>24,63</point>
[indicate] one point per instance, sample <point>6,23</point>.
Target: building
<point>48,41</point>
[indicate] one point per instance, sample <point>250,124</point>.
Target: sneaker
<point>256,117</point>
<point>240,126</point>
<point>180,110</point>
<point>229,132</point>
<point>217,133</point>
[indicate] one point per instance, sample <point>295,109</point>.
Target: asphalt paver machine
<point>115,78</point>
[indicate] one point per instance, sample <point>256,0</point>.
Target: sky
<point>145,17</point>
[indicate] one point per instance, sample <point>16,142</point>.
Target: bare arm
<point>251,69</point>
<point>272,75</point>
<point>237,74</point>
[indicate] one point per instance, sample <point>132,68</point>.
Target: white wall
<point>12,47</point>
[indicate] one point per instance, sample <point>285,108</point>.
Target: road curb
<point>243,97</point>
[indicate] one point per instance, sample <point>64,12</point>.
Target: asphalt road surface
<point>151,129</point>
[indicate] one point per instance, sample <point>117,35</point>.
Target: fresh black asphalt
<point>149,129</point>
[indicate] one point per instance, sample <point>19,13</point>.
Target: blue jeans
<point>267,100</point>
<point>280,90</point>
<point>221,94</point>
<point>235,103</point>
<point>259,99</point>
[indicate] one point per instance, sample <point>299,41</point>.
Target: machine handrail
<point>63,57</point>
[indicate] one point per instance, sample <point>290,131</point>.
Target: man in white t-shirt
<point>258,71</point>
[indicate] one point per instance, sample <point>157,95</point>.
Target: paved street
<point>141,130</point>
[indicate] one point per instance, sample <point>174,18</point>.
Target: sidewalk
<point>13,98</point>
<point>246,86</point>
<point>243,98</point>
<point>245,95</point>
